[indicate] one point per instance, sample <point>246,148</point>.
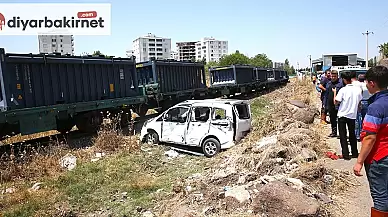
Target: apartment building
<point>63,44</point>
<point>149,46</point>
<point>174,55</point>
<point>186,50</point>
<point>129,53</point>
<point>211,49</point>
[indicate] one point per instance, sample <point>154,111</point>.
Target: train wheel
<point>89,122</point>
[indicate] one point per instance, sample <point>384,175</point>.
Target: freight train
<point>42,92</point>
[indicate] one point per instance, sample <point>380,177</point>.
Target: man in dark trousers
<point>374,138</point>
<point>334,83</point>
<point>323,82</point>
<point>348,98</point>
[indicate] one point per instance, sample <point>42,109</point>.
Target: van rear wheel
<point>211,147</point>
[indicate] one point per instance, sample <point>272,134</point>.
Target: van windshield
<point>242,111</point>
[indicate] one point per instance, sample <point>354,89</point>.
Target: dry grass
<point>110,137</point>
<point>143,182</point>
<point>313,175</point>
<point>31,162</point>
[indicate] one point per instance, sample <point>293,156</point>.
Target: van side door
<point>243,119</point>
<point>198,125</point>
<point>222,125</point>
<point>174,125</point>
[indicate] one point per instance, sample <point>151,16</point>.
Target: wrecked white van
<point>211,124</point>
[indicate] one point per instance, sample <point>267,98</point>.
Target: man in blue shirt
<point>323,82</point>
<point>336,83</point>
<point>374,137</point>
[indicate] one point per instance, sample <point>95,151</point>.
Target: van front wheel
<point>211,147</point>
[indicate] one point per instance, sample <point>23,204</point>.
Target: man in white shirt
<point>348,98</point>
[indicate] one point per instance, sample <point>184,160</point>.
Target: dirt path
<point>357,201</point>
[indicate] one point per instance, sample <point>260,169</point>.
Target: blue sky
<point>279,28</point>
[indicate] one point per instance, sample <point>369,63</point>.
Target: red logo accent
<point>2,21</point>
<point>87,14</point>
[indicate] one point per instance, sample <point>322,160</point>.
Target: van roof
<point>217,101</point>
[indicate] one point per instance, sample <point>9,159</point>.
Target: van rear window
<point>243,111</point>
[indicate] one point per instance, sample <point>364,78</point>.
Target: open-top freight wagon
<point>41,92</point>
<point>243,79</point>
<point>168,82</point>
<point>46,92</point>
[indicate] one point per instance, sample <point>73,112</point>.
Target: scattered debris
<point>267,141</point>
<point>69,162</point>
<point>148,214</point>
<point>10,190</point>
<point>100,154</point>
<point>239,193</point>
<point>298,184</point>
<point>323,197</point>
<point>328,179</point>
<point>308,155</point>
<point>298,103</point>
<point>36,186</point>
<point>171,154</point>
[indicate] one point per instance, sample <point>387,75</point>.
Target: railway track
<point>77,139</point>
<point>73,139</point>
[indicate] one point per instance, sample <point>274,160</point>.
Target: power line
<point>367,35</point>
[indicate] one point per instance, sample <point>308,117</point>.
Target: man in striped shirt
<point>374,137</point>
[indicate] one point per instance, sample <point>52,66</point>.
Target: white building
<point>186,50</point>
<point>129,53</point>
<point>63,44</point>
<point>151,46</point>
<point>211,49</point>
<point>174,55</point>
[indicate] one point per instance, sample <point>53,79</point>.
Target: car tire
<point>211,147</point>
<point>152,138</point>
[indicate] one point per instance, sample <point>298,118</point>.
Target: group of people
<point>357,106</point>
<point>349,113</point>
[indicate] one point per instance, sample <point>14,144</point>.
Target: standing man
<point>334,84</point>
<point>364,104</point>
<point>323,82</point>
<point>348,99</point>
<point>374,137</point>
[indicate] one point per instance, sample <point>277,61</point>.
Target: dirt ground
<point>356,202</point>
<point>276,170</point>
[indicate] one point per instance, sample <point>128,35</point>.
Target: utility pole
<point>298,65</point>
<point>311,69</point>
<point>367,35</point>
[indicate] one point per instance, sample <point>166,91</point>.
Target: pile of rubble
<point>276,176</point>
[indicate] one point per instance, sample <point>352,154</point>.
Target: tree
<point>261,60</point>
<point>292,70</point>
<point>372,62</point>
<point>97,53</point>
<point>286,62</point>
<point>383,48</point>
<point>288,68</point>
<point>211,64</point>
<point>235,58</point>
